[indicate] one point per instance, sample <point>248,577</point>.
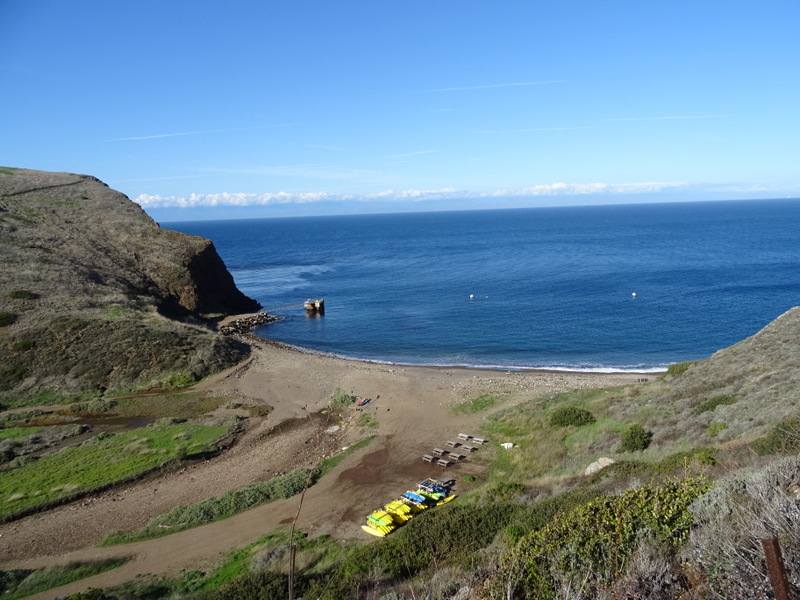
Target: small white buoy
<point>633,294</point>
<point>471,296</point>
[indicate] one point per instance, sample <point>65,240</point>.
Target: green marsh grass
<point>101,461</point>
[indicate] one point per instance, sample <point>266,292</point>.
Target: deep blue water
<point>552,287</point>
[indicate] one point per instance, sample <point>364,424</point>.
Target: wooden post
<point>777,569</point>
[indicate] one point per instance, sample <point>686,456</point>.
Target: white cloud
<point>553,189</point>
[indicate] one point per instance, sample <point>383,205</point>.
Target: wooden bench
<point>439,452</point>
<point>428,458</point>
<point>457,457</point>
<point>468,448</point>
<point>480,441</point>
<point>452,443</point>
<point>464,436</point>
<point>444,463</point>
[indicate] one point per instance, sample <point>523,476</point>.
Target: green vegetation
<point>716,428</point>
<point>712,403</point>
<point>571,416</point>
<point>366,420</point>
<point>591,546</point>
<point>177,381</point>
<point>259,410</point>
<point>478,404</point>
<point>341,399</point>
<point>186,405</point>
<point>23,295</point>
<point>234,501</point>
<point>103,460</point>
<point>635,439</point>
<point>13,433</point>
<point>22,345</point>
<point>219,507</point>
<point>782,438</point>
<point>328,464</point>
<point>20,583</point>
<point>680,368</point>
<point>7,318</point>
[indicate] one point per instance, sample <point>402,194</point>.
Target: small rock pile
<point>246,324</point>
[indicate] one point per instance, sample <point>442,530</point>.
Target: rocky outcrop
<point>83,270</point>
<point>598,465</point>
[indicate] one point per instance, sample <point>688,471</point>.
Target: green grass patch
<point>15,433</point>
<point>366,420</point>
<point>103,460</point>
<point>220,507</point>
<point>478,404</point>
<point>7,318</point>
<point>19,583</point>
<point>327,465</point>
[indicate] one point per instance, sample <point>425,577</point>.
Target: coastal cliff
<point>96,297</point>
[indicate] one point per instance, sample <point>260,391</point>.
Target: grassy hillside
<point>97,299</point>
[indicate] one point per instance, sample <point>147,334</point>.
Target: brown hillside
<point>95,296</point>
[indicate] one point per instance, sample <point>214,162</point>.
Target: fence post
<point>777,569</point>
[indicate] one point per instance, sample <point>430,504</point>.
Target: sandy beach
<point>412,411</point>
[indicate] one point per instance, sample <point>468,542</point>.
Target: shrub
<point>635,438</point>
<point>715,428</point>
<point>259,410</point>
<point>177,381</point>
<point>592,545</point>
<point>341,399</point>
<point>712,403</point>
<point>22,345</point>
<point>7,318</point>
<point>784,437</point>
<point>724,552</point>
<point>680,368</point>
<point>22,295</point>
<point>571,416</point>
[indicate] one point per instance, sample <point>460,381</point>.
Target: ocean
<point>594,288</point>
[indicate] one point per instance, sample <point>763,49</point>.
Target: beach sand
<point>412,411</point>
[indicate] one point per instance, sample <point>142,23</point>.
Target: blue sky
<point>205,109</point>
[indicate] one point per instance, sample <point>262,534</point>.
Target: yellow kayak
<point>372,531</point>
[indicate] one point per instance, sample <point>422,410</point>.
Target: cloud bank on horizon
<point>264,199</point>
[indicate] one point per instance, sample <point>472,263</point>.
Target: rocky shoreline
<point>244,325</point>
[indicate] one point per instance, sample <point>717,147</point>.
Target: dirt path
<point>413,409</point>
